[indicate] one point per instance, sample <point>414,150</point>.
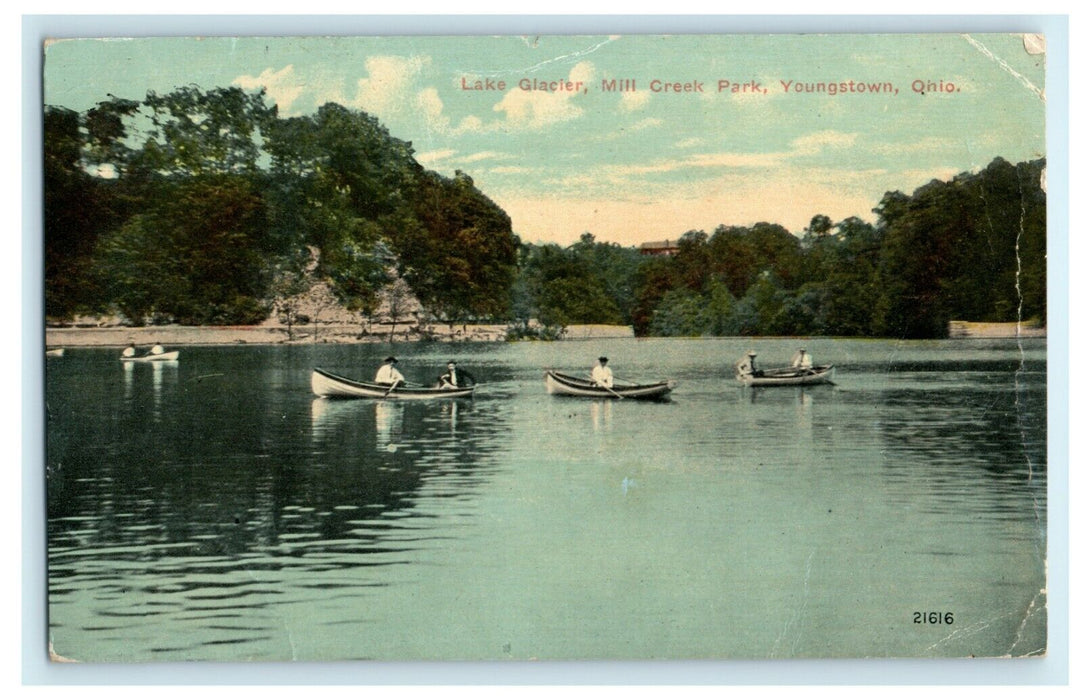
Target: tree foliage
<point>969,249</point>
<point>206,207</point>
<point>203,206</point>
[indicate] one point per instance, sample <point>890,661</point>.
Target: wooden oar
<point>607,388</point>
<point>392,388</point>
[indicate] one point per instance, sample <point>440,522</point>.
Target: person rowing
<point>602,375</point>
<point>388,376</point>
<point>747,365</point>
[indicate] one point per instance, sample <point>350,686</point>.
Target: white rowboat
<point>160,357</point>
<point>331,385</point>
<point>562,384</point>
<point>789,376</point>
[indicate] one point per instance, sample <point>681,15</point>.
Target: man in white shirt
<point>387,374</point>
<point>601,375</point>
<point>802,360</point>
<point>129,351</point>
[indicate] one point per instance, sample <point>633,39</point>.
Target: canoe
<point>561,384</point>
<point>789,376</point>
<point>331,385</point>
<point>161,357</point>
<point>55,352</point>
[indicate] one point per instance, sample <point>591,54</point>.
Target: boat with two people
<point>800,372</point>
<point>156,354</point>
<point>330,385</point>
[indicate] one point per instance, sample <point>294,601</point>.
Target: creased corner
<point>1004,64</point>
<point>53,656</point>
<point>1034,44</point>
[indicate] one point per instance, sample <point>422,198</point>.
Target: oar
<point>609,389</point>
<point>392,387</point>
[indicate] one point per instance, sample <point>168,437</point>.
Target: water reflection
<point>451,410</point>
<point>129,378</point>
<point>601,413</point>
<point>966,453</point>
<point>388,424</point>
<point>196,537</point>
<point>163,375</point>
<point>160,372</point>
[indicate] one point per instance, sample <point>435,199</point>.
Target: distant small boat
<point>160,357</point>
<point>55,352</point>
<point>788,376</point>
<point>331,385</point>
<point>561,384</point>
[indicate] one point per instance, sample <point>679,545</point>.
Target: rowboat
<point>330,385</point>
<point>788,376</point>
<point>160,357</point>
<point>561,384</point>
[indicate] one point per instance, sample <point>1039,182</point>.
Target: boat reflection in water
<point>388,425</point>
<point>162,374</point>
<point>196,538</point>
<point>601,413</point>
<point>451,410</point>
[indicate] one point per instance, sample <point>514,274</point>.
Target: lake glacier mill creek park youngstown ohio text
<point>545,348</point>
<point>623,85</point>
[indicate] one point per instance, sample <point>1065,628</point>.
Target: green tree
<point>193,257</point>
<point>199,133</point>
<point>76,210</point>
<point>681,312</point>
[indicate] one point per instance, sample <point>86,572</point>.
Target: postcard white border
<point>29,502</point>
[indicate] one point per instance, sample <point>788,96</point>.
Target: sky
<point>719,130</point>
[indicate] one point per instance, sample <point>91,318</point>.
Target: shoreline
<point>274,334</point>
<point>120,336</point>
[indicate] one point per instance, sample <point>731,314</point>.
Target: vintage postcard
<point>582,347</point>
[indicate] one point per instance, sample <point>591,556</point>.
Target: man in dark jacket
<point>455,377</point>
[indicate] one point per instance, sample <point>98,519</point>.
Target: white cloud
<point>616,173</point>
<point>928,144</point>
<point>282,86</point>
<point>389,87</point>
<point>642,124</point>
<point>432,109</point>
<point>667,211</point>
<point>816,142</point>
<point>531,110</point>
<point>511,170</point>
<point>633,101</point>
<point>432,159</point>
<point>482,155</point>
<point>446,159</point>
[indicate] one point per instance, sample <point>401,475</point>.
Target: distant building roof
<point>666,247</point>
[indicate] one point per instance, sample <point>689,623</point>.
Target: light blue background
<point>37,671</point>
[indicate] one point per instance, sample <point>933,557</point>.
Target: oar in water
<point>607,388</point>
<point>392,388</point>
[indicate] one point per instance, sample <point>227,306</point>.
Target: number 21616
<point>933,618</point>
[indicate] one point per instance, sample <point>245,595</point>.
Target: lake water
<point>214,509</point>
